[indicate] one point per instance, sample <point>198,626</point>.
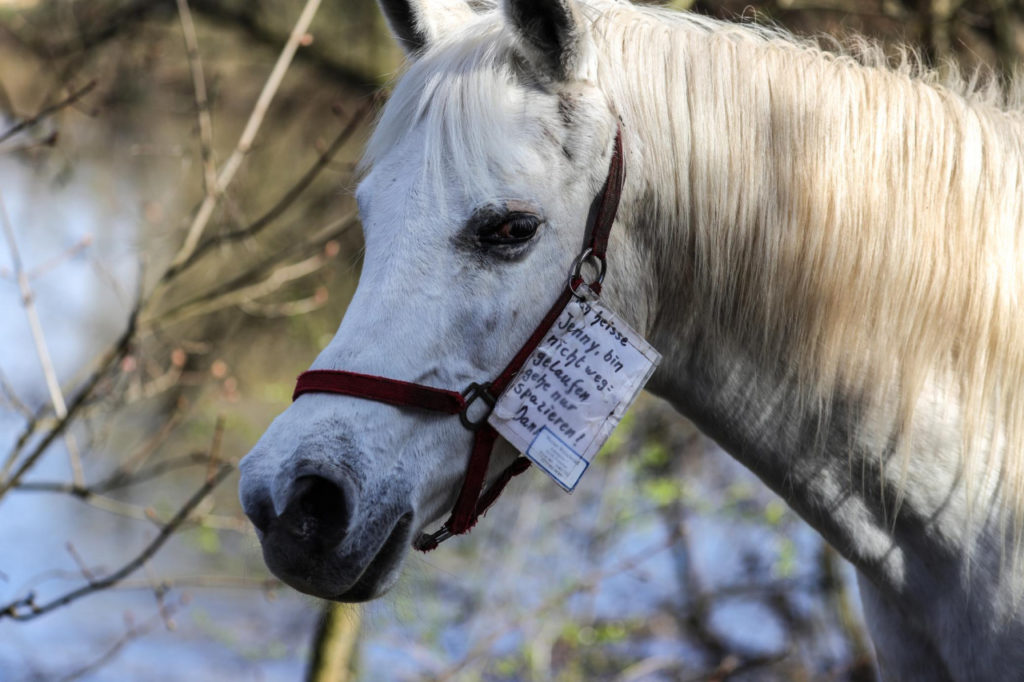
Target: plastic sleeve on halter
<point>381,389</point>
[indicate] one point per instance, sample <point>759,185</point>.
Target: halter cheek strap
<point>473,501</point>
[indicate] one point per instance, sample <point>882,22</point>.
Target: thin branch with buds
<point>110,358</point>
<point>26,608</point>
<point>39,339</point>
<point>286,200</point>
<point>234,162</point>
<point>195,65</point>
<point>46,112</point>
<point>263,277</point>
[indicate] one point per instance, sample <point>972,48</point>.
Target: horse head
<point>478,182</point>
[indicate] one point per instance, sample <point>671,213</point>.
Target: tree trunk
<point>332,658</point>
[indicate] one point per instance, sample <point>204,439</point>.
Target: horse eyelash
<point>510,220</point>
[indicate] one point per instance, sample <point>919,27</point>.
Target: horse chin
<point>329,575</point>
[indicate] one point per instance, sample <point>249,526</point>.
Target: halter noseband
<point>471,503</point>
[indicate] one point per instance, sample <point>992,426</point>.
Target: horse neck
<point>905,523</point>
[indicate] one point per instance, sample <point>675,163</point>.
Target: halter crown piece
<point>473,500</point>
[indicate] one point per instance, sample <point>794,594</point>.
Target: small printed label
<point>557,459</point>
<point>574,388</point>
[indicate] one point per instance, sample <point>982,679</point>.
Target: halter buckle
<point>473,391</point>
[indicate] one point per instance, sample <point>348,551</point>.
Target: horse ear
<point>418,23</point>
<point>550,34</point>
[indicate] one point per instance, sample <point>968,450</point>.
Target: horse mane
<point>860,216</point>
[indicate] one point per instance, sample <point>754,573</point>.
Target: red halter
<point>471,503</point>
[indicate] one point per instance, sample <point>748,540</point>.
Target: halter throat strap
<point>472,500</point>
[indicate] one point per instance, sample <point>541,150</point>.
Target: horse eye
<point>513,228</point>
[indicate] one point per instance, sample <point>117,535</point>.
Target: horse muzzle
<point>314,537</point>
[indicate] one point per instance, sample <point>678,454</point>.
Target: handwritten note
<point>573,390</point>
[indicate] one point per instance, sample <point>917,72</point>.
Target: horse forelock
<point>455,96</point>
<point>857,214</point>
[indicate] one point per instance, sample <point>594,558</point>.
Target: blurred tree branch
<point>110,358</point>
<point>252,126</point>
<point>334,643</point>
<point>132,633</point>
<point>262,277</point>
<point>195,66</point>
<point>39,339</point>
<point>287,199</point>
<point>26,608</point>
<point>45,112</point>
<point>117,19</point>
<point>267,275</point>
<point>121,478</point>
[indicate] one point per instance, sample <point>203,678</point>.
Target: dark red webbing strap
<point>502,381</point>
<point>603,217</point>
<point>464,514</point>
<point>468,509</point>
<point>601,220</point>
<point>380,389</point>
<point>517,467</point>
<point>470,503</point>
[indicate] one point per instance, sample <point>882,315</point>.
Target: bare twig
<point>300,306</point>
<point>134,632</point>
<point>289,197</point>
<point>195,66</point>
<point>231,166</point>
<point>31,425</point>
<point>82,566</point>
<point>39,339</point>
<point>213,582</point>
<point>213,459</point>
<point>69,253</point>
<point>112,356</point>
<point>270,270</point>
<point>121,17</point>
<point>124,478</point>
<point>12,398</point>
<point>558,599</point>
<point>47,111</point>
<point>135,460</point>
<point>26,608</point>
<point>278,278</point>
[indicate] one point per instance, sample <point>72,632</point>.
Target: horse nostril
<point>260,514</point>
<point>257,504</point>
<point>317,512</point>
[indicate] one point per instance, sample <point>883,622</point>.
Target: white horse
<point>827,250</point>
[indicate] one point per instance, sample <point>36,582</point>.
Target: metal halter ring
<point>472,392</point>
<point>576,271</point>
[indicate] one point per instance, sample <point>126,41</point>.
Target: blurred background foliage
<point>669,563</point>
